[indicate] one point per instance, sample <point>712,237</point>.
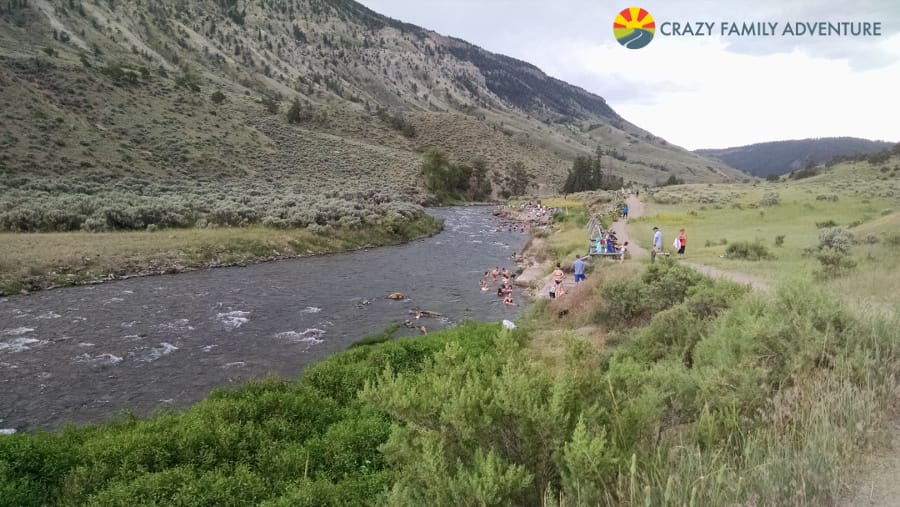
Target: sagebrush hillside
<point>173,89</point>
<point>781,157</point>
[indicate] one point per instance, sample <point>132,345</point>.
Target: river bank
<point>82,354</point>
<point>31,262</point>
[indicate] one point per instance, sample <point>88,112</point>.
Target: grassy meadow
<point>786,222</point>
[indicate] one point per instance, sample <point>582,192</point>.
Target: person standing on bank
<point>657,244</point>
<point>682,241</point>
<point>578,267</point>
<point>625,212</point>
<point>558,276</point>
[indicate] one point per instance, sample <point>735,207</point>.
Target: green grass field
<point>787,219</point>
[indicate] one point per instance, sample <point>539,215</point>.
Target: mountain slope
<point>782,157</point>
<point>180,88</point>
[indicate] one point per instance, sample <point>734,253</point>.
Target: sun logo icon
<point>634,27</point>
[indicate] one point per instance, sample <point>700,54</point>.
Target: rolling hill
<point>180,88</point>
<point>781,157</point>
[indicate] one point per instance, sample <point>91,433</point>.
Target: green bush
<point>835,263</point>
<point>836,238</point>
<point>747,251</point>
<point>270,440</point>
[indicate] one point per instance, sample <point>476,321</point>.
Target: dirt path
<point>635,210</point>
<point>878,486</point>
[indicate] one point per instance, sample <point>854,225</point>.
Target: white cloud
<point>699,92</point>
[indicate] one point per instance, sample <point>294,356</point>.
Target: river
<point>81,355</point>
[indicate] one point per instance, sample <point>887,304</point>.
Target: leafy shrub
<point>892,239</point>
<point>747,251</point>
<point>770,199</point>
<point>836,238</point>
<point>662,286</point>
<point>779,240</point>
<point>217,97</point>
<point>835,263</point>
<point>827,197</point>
<point>826,223</point>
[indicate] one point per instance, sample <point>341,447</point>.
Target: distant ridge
<point>782,157</point>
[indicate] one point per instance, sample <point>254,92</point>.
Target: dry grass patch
<point>42,260</point>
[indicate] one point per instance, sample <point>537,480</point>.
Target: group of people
<point>606,242</point>
<point>679,244</point>
<point>559,276</point>
<point>528,215</point>
<point>505,277</point>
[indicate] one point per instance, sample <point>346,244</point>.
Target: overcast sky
<point>699,92</point>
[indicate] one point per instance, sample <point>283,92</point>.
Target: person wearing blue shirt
<point>578,266</point>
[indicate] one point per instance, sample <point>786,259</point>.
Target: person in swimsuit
<point>558,277</point>
<point>622,251</point>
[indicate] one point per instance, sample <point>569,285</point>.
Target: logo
<point>634,28</point>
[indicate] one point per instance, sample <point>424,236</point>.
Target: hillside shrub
<point>746,250</point>
<point>836,238</point>
<point>770,199</point>
<point>834,263</point>
<point>662,286</point>
<point>39,205</point>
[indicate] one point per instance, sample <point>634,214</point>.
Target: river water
<point>83,354</point>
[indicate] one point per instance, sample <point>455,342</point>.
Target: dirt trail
<point>879,485</point>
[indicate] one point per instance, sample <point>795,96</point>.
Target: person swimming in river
<point>508,300</point>
<point>499,292</point>
<point>495,273</point>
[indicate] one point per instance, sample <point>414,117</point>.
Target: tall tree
<point>596,173</point>
<point>519,179</point>
<point>579,177</point>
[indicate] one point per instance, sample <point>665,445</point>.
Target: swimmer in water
<point>508,300</point>
<point>495,273</point>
